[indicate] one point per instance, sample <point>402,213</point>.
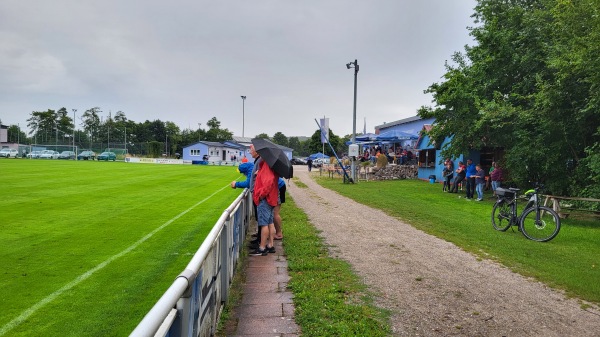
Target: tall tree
<point>528,86</point>
<point>280,138</point>
<point>42,124</point>
<point>215,133</point>
<point>315,144</point>
<point>90,121</point>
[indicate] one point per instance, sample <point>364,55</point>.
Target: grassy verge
<point>571,261</point>
<point>329,298</point>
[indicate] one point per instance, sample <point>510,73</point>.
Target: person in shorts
<point>265,197</point>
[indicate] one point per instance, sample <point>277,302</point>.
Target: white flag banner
<point>324,130</point>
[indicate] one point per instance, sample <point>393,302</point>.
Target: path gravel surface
<point>430,286</point>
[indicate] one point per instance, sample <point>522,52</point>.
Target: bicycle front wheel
<point>542,226</point>
<point>501,215</point>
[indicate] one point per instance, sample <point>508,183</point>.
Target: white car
<point>34,154</point>
<point>49,154</point>
<point>9,153</point>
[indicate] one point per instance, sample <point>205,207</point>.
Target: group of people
<point>268,193</point>
<point>399,156</point>
<point>472,176</point>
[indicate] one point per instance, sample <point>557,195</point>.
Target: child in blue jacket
<point>245,169</point>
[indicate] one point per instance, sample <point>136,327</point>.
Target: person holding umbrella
<point>273,164</point>
<point>265,198</point>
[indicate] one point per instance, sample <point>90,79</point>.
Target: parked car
<point>7,153</point>
<point>107,156</point>
<point>319,162</point>
<point>34,154</point>
<point>298,161</point>
<point>87,155</point>
<point>49,154</point>
<point>67,155</point>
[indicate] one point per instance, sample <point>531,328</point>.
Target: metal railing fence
<point>192,304</point>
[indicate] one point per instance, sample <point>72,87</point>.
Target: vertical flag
<point>324,130</point>
<point>365,127</point>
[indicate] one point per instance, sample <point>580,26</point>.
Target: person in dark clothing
<point>460,176</point>
<point>471,175</point>
<point>309,163</point>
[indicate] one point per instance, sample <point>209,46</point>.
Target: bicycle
<point>537,223</point>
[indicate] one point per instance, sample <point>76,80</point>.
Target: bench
<point>565,211</point>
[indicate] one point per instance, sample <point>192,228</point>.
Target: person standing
<point>276,211</point>
<point>265,197</point>
<point>497,176</point>
<point>471,175</point>
<point>447,174</point>
<point>460,176</point>
<point>479,181</point>
<point>309,163</point>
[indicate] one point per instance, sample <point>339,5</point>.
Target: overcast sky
<point>187,61</point>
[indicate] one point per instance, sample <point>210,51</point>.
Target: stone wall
<point>393,172</point>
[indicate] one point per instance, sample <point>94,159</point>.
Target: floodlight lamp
<point>243,97</point>
<point>348,65</point>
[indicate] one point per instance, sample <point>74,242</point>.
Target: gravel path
<point>431,287</point>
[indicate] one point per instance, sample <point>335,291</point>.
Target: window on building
<point>427,158</point>
<point>194,152</point>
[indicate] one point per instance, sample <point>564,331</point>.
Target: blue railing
<point>192,304</point>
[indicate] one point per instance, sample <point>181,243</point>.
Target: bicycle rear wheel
<point>501,215</point>
<point>543,229</point>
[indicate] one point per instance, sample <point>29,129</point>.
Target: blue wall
<point>425,172</point>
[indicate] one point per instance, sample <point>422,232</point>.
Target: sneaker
<point>479,199</point>
<point>253,245</point>
<point>258,252</point>
<point>271,249</point>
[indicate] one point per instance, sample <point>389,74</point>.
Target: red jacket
<point>265,186</point>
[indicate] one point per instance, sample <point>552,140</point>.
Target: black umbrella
<point>274,156</point>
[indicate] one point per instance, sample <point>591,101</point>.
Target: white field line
<point>25,314</point>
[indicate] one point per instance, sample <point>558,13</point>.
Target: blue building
<point>226,153</point>
<point>431,162</point>
<point>428,151</point>
<point>205,152</point>
<point>411,125</point>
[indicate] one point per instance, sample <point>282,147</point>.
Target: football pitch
<point>88,247</point>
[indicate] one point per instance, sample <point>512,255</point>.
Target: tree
<point>315,144</point>
<point>16,135</point>
<point>90,121</point>
<point>294,143</point>
<point>65,125</point>
<point>41,124</point>
<point>215,133</point>
<point>280,138</point>
<point>529,86</point>
<point>262,136</point>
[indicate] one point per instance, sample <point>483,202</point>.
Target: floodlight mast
<point>243,113</point>
<point>355,66</point>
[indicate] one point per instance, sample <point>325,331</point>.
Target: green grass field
<point>88,247</point>
<point>571,261</point>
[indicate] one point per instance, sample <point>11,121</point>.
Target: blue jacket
<point>471,170</point>
<point>280,183</point>
<point>245,169</point>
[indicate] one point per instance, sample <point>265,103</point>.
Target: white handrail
<point>153,320</point>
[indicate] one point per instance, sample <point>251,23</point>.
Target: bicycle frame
<point>536,222</point>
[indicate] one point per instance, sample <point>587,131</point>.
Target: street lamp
<point>243,113</point>
<point>355,66</point>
